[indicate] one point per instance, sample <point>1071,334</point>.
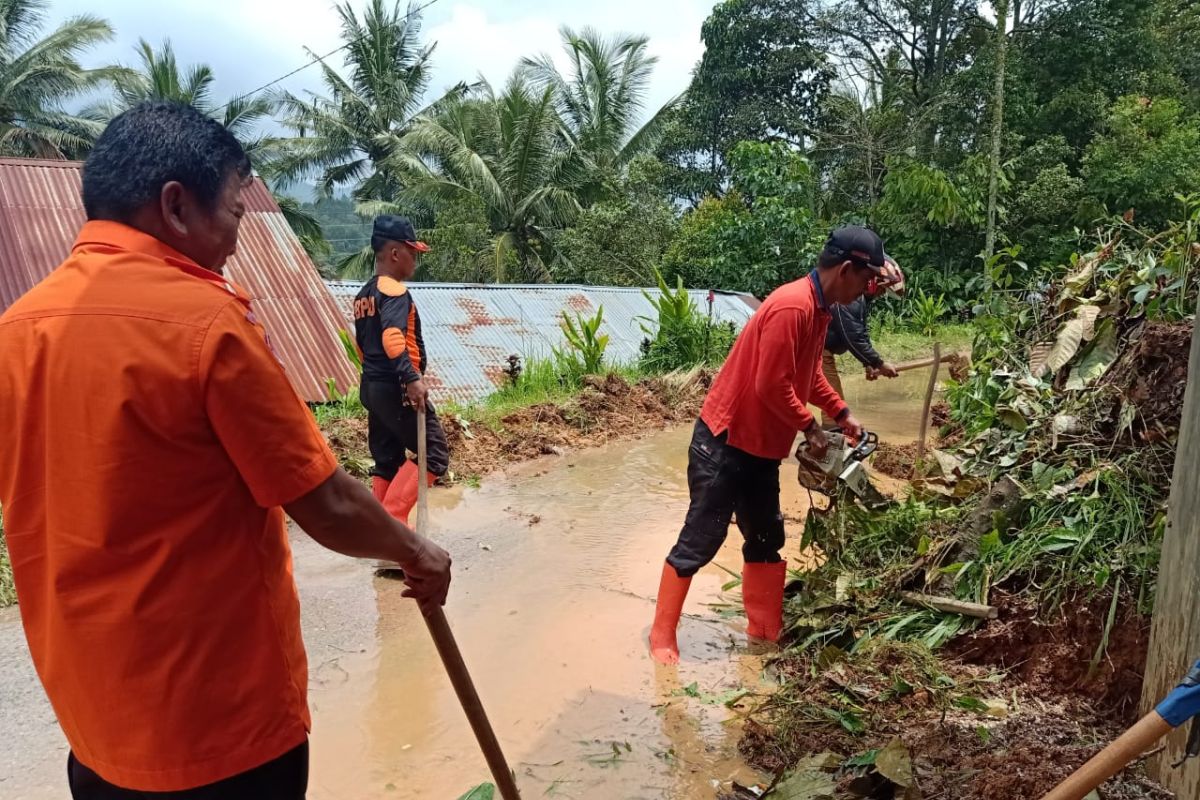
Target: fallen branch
<point>950,605</point>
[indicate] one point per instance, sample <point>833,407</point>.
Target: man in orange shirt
<point>152,444</point>
<point>749,420</point>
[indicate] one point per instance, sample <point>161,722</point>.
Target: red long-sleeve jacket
<point>762,393</point>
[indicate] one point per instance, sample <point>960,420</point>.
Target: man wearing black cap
<point>388,330</point>
<point>757,404</point>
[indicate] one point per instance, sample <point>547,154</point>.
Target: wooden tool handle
<point>1112,759</point>
<point>447,647</point>
<point>422,526</point>
<point>468,698</point>
<point>925,362</point>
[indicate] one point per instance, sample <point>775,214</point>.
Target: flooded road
<point>557,563</point>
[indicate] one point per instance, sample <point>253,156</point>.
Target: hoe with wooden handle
<point>447,647</point>
<point>1182,704</point>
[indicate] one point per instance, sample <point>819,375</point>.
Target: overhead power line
<point>411,12</point>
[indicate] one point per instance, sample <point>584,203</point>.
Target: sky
<point>251,42</point>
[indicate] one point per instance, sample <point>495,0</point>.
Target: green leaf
<point>807,784</point>
<point>1070,337</point>
<point>850,721</point>
<point>894,762</point>
<point>1096,359</point>
<point>484,791</point>
<point>1012,418</point>
<point>1078,280</point>
<point>971,704</point>
<point>989,543</point>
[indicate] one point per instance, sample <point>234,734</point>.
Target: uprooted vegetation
<point>1043,504</point>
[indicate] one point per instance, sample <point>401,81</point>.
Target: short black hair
<point>378,242</point>
<point>150,145</point>
<point>830,258</point>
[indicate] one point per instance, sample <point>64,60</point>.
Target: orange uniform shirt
<point>773,372</point>
<point>149,437</point>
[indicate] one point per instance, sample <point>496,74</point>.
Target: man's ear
<point>172,200</point>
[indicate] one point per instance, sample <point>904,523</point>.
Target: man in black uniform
<point>388,330</point>
<point>848,333</point>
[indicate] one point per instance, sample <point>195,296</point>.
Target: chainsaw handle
<point>867,444</point>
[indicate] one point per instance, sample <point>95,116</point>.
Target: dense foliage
<point>800,116</point>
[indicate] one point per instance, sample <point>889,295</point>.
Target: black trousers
<point>285,778</point>
<point>722,480</point>
<point>392,429</point>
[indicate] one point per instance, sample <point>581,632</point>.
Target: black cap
<point>397,229</point>
<point>861,245</point>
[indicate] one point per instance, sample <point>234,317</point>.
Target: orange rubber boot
<point>402,494</point>
<point>379,487</point>
<point>762,596</point>
<point>672,590</point>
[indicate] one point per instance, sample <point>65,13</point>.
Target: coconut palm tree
<point>501,152</point>
<point>159,76</point>
<point>345,137</point>
<point>602,98</point>
<point>40,75</point>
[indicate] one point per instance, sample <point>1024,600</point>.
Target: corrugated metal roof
<point>471,329</point>
<point>41,212</point>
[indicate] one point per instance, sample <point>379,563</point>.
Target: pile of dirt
<point>895,460</point>
<point>973,733</point>
<point>606,408</point>
<point>1151,374</point>
<point>1020,758</point>
<point>347,437</point>
<point>965,758</point>
<point>1052,656</point>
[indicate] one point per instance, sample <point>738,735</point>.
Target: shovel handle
<point>468,698</point>
<point>447,647</point>
<point>1112,759</point>
<point>422,526</point>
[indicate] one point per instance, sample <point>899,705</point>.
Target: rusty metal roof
<point>471,329</point>
<point>41,212</point>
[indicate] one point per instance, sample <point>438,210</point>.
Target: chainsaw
<point>842,466</point>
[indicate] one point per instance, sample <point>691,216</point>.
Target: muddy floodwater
<point>557,563</point>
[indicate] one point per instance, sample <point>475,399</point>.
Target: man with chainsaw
<point>388,331</point>
<point>756,406</point>
<point>152,445</point>
<point>849,333</point>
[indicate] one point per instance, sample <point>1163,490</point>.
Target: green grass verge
<point>897,345</point>
<point>541,381</point>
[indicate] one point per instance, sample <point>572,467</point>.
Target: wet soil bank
<point>607,409</point>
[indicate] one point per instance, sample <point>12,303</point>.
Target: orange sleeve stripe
<point>414,352</point>
<point>394,342</point>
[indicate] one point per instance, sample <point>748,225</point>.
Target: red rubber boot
<point>379,487</point>
<point>672,590</point>
<point>762,596</point>
<point>402,494</point>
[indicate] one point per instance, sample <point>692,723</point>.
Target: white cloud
<point>250,42</point>
<point>474,41</point>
